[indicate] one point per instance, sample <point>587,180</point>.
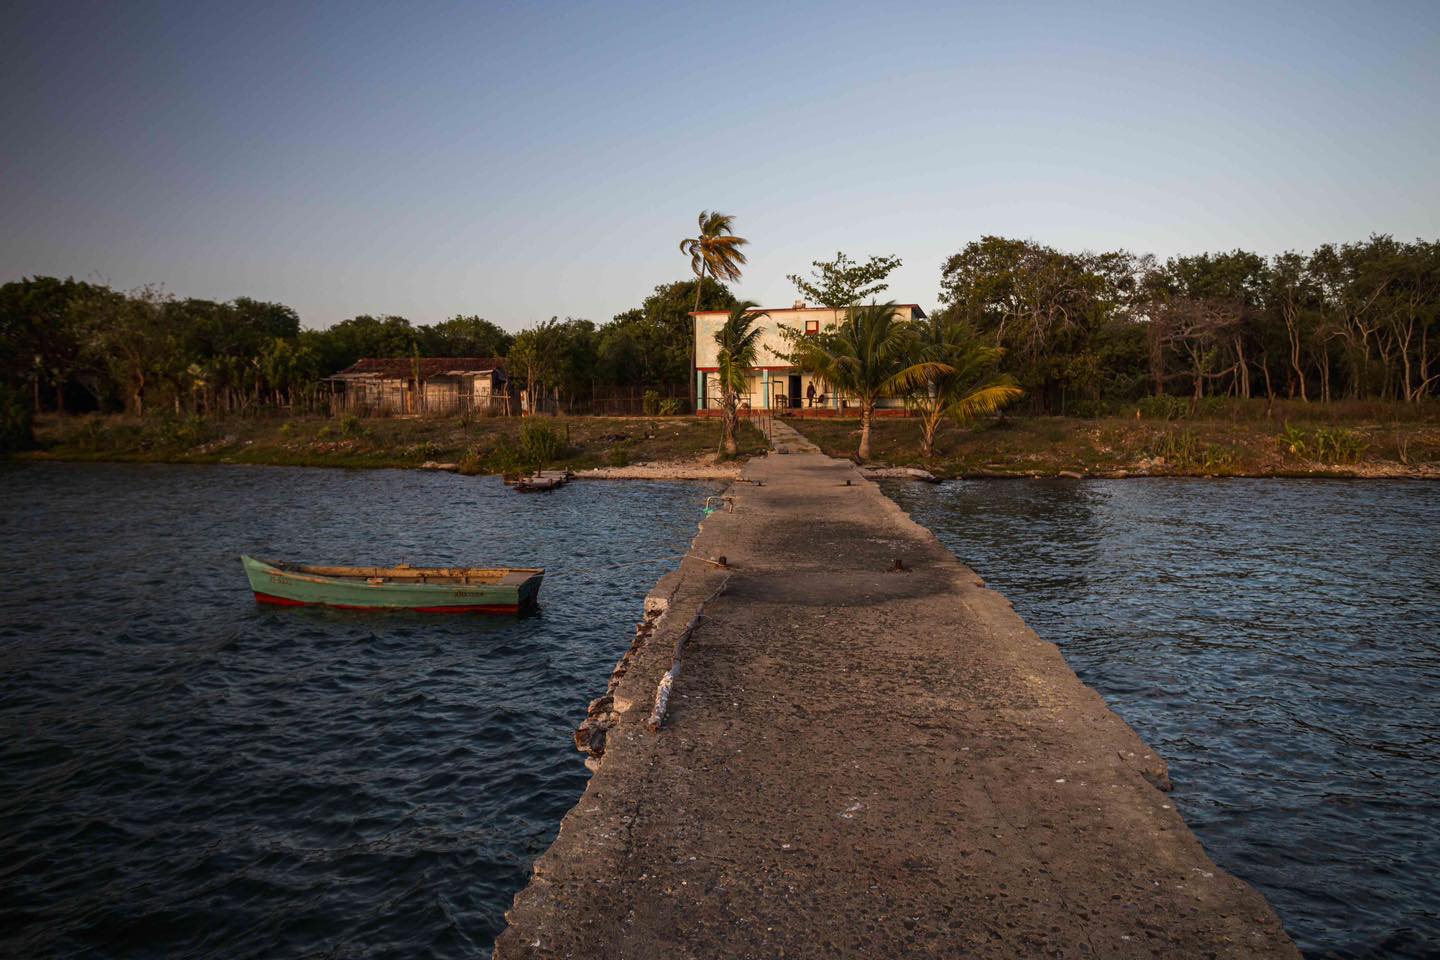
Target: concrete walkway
<point>786,439</point>
<point>860,761</point>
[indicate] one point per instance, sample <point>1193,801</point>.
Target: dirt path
<point>859,761</point>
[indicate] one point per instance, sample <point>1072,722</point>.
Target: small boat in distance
<point>423,589</point>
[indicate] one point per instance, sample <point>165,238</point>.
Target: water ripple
<point>1278,642</point>
<point>185,773</point>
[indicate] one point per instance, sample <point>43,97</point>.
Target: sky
<point>524,160</point>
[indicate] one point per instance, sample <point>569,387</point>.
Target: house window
<point>812,327</point>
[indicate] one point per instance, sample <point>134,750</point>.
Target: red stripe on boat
<point>466,608</point>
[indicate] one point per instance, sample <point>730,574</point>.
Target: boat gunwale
<point>446,578</point>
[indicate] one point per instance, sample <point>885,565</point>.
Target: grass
<point>1224,438</point>
<point>490,445</point>
<point>1310,443</point>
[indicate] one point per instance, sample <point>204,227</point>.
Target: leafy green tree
<point>738,342</point>
<point>1206,308</point>
<point>364,336</point>
<point>656,339</point>
<point>466,336</point>
<point>1042,305</point>
<point>871,353</point>
<point>41,342</point>
<point>532,361</point>
<point>554,357</point>
<point>16,421</point>
<point>621,351</point>
<point>842,282</point>
<point>1295,297</point>
<point>962,382</point>
<point>129,334</point>
<point>261,321</point>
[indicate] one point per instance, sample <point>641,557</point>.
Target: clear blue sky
<point>528,159</point>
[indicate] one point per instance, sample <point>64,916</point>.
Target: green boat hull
<point>515,593</point>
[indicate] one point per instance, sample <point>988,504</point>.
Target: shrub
<point>650,403</point>
<point>670,406</point>
<point>1054,432</point>
<point>171,432</point>
<point>619,455</point>
<point>1295,440</point>
<point>1088,409</point>
<point>350,426</point>
<point>1215,407</point>
<point>1339,445</point>
<point>92,434</point>
<point>507,459</point>
<point>1324,444</point>
<point>1164,407</point>
<point>540,443</point>
<point>1182,449</point>
<point>325,432</point>
<point>17,423</point>
<point>471,464</point>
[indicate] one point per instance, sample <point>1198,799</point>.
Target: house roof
<point>403,368</point>
<point>705,313</point>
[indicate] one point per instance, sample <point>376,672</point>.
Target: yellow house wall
<point>769,352</point>
<point>772,345</point>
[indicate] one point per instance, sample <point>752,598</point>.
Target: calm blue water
<point>186,773</point>
<point>1278,642</point>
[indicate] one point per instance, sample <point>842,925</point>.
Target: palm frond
<point>915,377</point>
<point>716,249</point>
<point>984,400</point>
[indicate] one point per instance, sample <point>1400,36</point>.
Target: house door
<point>794,390</point>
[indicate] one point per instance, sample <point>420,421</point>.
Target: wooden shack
<point>392,386</point>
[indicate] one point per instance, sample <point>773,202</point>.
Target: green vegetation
<point>540,443</point>
<point>1087,334</point>
<point>16,422</point>
<point>842,282</point>
<point>1093,335</point>
<point>716,251</point>
<point>738,344</point>
<point>868,355</point>
<point>507,445</point>
<point>962,382</point>
<point>1234,438</point>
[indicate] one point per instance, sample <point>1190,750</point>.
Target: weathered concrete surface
<point>860,762</point>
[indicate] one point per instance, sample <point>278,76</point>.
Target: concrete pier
<point>859,760</point>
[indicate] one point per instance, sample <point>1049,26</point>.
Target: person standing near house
<point>810,395</point>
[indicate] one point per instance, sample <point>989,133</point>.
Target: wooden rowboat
<point>424,589</point>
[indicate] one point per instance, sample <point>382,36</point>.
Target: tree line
<point>68,345</point>
<point>1344,321</point>
<point>1079,332</point>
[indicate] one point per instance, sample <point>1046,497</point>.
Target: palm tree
<point>716,250</point>
<point>868,355</point>
<point>968,386</point>
<point>739,343</point>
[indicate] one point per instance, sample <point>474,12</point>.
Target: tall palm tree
<point>870,354</point>
<point>967,386</point>
<point>717,251</point>
<point>739,343</point>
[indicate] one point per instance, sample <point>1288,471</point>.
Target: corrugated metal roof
<point>403,368</point>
